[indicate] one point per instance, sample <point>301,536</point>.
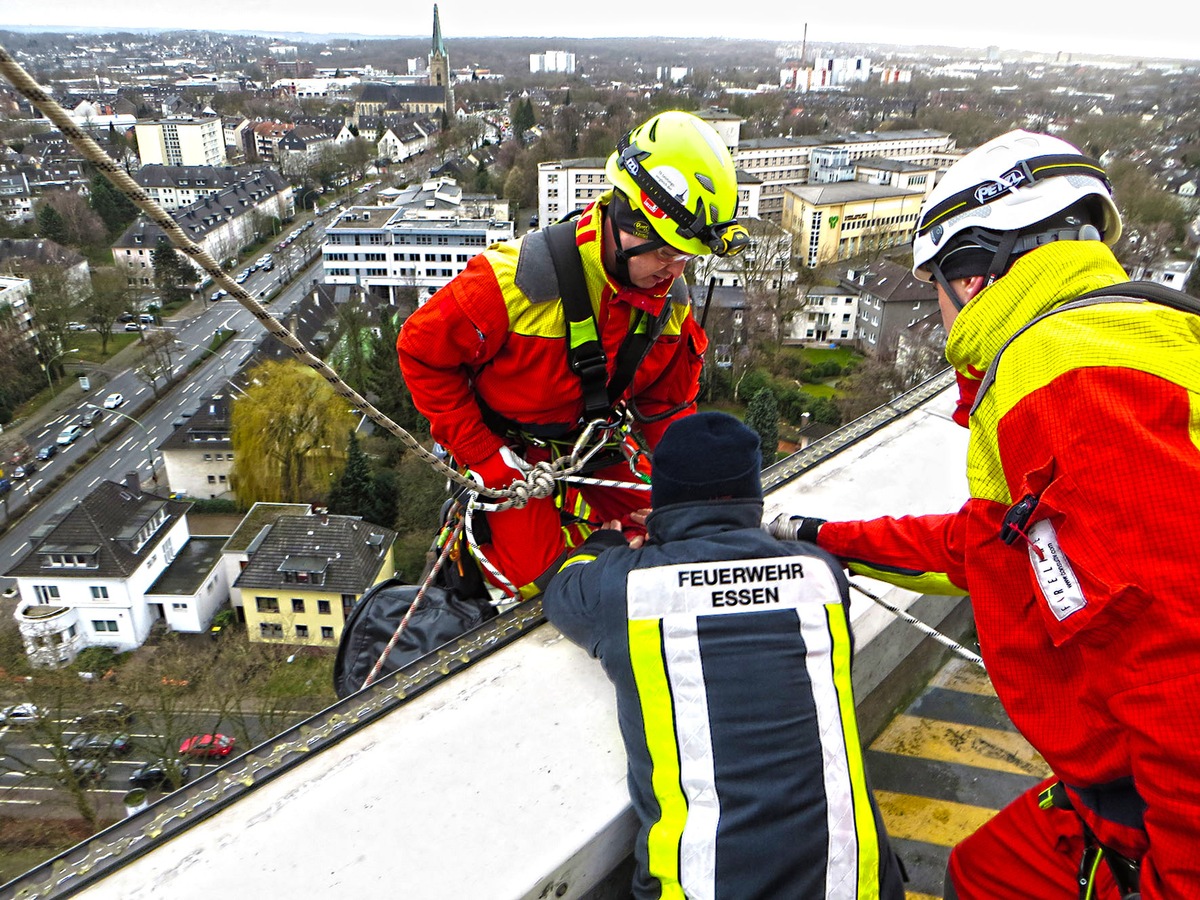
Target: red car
<point>207,745</point>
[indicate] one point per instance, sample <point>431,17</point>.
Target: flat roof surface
<point>189,569</point>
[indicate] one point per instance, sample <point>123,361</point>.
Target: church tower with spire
<point>439,64</point>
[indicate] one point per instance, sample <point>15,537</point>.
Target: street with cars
<point>109,750</point>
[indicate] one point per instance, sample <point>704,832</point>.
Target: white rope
<point>922,627</point>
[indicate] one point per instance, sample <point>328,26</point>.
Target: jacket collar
<point>1038,282</point>
<point>702,517</point>
<point>589,234</point>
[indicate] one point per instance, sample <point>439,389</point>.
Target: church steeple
<point>439,49</point>
<point>439,64</point>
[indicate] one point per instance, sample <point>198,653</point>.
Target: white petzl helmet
<point>1005,187</point>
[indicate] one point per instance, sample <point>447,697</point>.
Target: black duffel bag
<point>442,616</point>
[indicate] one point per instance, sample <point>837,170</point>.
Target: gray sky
<point>1150,28</point>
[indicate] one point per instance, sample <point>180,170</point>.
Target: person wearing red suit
<point>1078,544</point>
<point>486,358</point>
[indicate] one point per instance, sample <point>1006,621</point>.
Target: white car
<point>68,435</point>
<point>21,714</point>
<point>112,401</point>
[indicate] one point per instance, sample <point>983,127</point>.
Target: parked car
<point>21,714</point>
<point>133,326</point>
<point>104,745</point>
<point>46,452</point>
<point>112,401</point>
<point>161,773</point>
<point>24,471</point>
<point>76,326</point>
<point>207,745</point>
<point>90,770</point>
<point>116,716</point>
<point>126,317</point>
<point>68,435</point>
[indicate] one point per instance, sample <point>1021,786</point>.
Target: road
<point>135,450</point>
<point>26,750</point>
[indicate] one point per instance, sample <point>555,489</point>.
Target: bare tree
<point>157,360</point>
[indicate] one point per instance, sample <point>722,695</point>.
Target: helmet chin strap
<point>958,302</point>
<point>622,258</point>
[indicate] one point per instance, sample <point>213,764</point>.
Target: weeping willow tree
<point>289,435</point>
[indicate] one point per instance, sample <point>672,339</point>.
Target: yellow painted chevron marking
<point>939,822</point>
<point>913,895</point>
<point>984,748</point>
<point>968,678</point>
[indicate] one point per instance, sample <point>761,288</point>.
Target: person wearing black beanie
<point>731,667</point>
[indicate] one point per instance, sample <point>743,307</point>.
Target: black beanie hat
<point>706,456</point>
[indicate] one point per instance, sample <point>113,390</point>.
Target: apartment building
<point>783,162</point>
<point>422,240</point>
<point>222,224</point>
<point>566,185</point>
<point>177,187</point>
<point>181,142</point>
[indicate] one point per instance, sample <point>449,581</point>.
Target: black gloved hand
<point>794,528</point>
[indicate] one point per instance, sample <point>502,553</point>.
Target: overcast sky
<point>1150,28</point>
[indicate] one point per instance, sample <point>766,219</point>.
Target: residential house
<point>16,200</point>
<point>301,149</point>
<point>303,575</point>
<point>198,454</point>
<point>89,577</point>
<point>177,187</point>
<point>891,302</point>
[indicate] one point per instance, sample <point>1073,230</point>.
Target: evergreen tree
<point>173,275</point>
<point>385,381</point>
<point>114,208</point>
<point>351,495</point>
<point>50,224</point>
<point>762,416</point>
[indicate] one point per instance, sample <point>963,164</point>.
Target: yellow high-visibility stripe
<point>658,718</point>
<point>922,583</point>
<point>1194,418</point>
<point>1092,336</point>
<point>864,819</point>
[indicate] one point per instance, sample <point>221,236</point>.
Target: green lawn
<point>87,343</point>
<point>819,390</point>
<point>841,355</point>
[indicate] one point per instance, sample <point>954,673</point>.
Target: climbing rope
<point>922,627</point>
<point>542,477</point>
<point>515,495</point>
<point>412,607</point>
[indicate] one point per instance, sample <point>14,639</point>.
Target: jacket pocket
<point>1082,591</point>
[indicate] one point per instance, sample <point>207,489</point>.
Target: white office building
<point>552,61</point>
<point>422,240</point>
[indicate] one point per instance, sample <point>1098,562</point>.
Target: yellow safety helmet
<point>676,171</point>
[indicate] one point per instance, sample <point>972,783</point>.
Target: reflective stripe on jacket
<point>730,653</point>
<point>496,332</point>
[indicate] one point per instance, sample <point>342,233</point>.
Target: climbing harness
<point>1126,872</point>
<point>601,394</point>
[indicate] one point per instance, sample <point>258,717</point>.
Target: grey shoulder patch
<point>679,293</point>
<point>535,277</point>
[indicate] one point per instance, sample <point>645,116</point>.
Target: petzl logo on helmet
<point>1009,181</point>
<point>651,207</point>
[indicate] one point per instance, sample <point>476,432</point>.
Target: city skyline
<point>1159,31</point>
